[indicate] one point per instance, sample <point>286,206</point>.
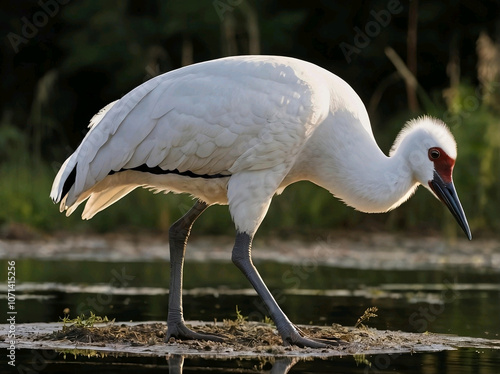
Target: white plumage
<point>238,130</point>
<point>226,117</point>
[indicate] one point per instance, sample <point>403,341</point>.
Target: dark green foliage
<point>89,53</point>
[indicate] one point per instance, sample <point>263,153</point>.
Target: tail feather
<point>101,200</point>
<point>63,186</point>
<point>60,187</point>
<point>103,194</point>
<point>81,176</point>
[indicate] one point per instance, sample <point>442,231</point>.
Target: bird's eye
<point>434,154</point>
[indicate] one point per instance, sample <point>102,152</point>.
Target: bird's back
<point>214,118</point>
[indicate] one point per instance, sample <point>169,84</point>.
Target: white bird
<point>237,131</point>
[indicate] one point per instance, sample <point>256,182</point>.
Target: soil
<point>241,339</point>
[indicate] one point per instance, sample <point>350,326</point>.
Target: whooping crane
<point>237,131</point>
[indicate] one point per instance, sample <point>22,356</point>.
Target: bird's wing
<point>219,117</point>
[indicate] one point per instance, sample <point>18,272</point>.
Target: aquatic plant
<point>83,321</point>
<point>368,313</point>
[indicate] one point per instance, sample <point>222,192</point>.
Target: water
<point>463,361</point>
<point>452,301</point>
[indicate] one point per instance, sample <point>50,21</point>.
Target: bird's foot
<point>180,331</point>
<point>298,338</point>
<point>303,342</point>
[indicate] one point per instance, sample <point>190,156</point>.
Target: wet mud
<point>241,339</point>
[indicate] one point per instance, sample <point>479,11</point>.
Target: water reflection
<point>175,364</point>
<point>461,361</point>
<point>281,365</point>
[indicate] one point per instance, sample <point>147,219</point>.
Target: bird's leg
<point>178,237</point>
<point>289,333</point>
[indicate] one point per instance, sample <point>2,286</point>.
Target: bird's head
<point>431,152</point>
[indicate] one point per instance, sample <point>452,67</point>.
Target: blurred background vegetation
<point>62,61</point>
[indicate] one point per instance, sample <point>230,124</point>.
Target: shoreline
<point>359,250</point>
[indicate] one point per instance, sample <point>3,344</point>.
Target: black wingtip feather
<point>69,182</point>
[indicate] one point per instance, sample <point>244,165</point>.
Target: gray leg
<point>178,236</point>
<point>289,333</point>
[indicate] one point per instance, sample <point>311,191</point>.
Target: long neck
<point>358,172</point>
